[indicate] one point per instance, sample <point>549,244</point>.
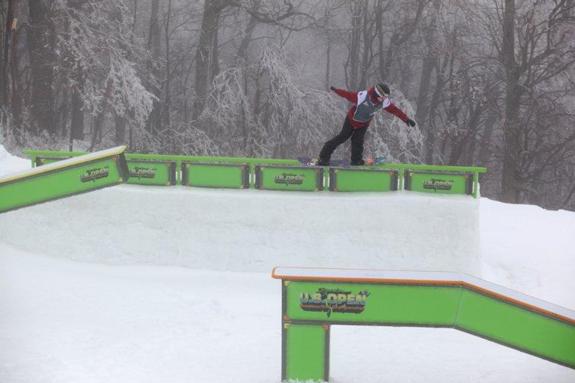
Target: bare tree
<point>535,49</point>
<point>42,43</point>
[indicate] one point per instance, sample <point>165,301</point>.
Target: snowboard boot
<point>357,163</point>
<point>322,162</point>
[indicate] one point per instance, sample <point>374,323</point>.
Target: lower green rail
<point>315,299</point>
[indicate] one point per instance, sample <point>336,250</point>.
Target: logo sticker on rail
<point>334,301</point>
<point>94,174</point>
<point>141,172</point>
<point>289,179</point>
<point>437,184</point>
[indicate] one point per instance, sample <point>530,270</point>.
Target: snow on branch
<point>100,56</point>
<point>273,116</point>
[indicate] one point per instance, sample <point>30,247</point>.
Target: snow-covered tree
<point>275,117</point>
<point>101,62</point>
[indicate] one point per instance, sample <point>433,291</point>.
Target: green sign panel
<point>289,178</point>
<point>236,176</point>
<point>362,180</point>
<point>371,303</point>
<point>439,182</point>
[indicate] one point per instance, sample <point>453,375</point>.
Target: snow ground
<point>10,163</point>
<point>142,284</point>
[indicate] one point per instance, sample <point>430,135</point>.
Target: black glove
<point>332,88</point>
<point>410,122</point>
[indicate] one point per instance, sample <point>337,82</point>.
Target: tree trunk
<point>327,49</point>
<point>154,120</point>
<point>7,39</point>
<point>366,47</point>
<point>42,59</point>
<point>206,53</point>
<point>380,37</point>
<point>429,63</point>
<point>77,123</point>
<point>433,110</point>
<point>16,96</point>
<point>356,13</point>
<point>242,53</point>
<point>120,138</point>
<point>511,145</point>
<point>168,90</point>
<point>101,117</point>
<point>154,35</point>
<point>486,147</point>
<point>422,114</point>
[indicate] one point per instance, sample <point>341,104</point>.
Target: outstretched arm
<point>350,96</point>
<point>399,114</point>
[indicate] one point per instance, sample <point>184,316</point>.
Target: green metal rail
<point>286,174</point>
<point>64,178</point>
<point>315,299</point>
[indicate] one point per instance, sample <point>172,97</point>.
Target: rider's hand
<point>410,122</point>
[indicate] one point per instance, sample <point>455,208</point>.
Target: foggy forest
<point>489,82</point>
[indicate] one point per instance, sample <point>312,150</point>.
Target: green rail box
<point>216,175</point>
<point>291,178</point>
<point>440,182</point>
<point>144,172</point>
<point>362,180</point>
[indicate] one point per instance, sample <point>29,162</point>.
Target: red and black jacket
<point>368,103</point>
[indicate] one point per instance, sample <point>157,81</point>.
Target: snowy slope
<point>120,317</point>
<point>521,247</point>
<point>10,163</point>
<point>67,322</point>
<point>252,230</point>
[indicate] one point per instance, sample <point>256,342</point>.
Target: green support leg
<point>475,185</point>
<point>305,352</point>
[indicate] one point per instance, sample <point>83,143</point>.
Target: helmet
<point>382,90</point>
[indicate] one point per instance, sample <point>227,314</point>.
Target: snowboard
<point>308,161</point>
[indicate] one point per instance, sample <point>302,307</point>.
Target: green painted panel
<point>289,178</point>
<point>362,180</point>
<point>162,173</point>
<point>215,175</point>
<point>304,352</point>
<point>60,183</point>
<point>441,183</point>
<point>517,327</point>
<point>372,303</point>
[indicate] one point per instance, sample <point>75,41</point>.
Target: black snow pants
<point>357,136</point>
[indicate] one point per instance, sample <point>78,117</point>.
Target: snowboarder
<point>365,104</point>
